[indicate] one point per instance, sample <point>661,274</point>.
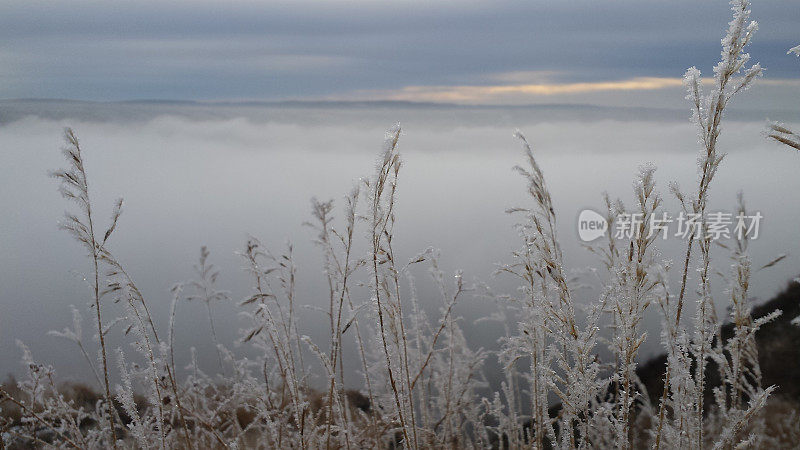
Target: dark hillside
<point>778,351</point>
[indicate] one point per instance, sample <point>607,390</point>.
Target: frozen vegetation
<point>422,386</point>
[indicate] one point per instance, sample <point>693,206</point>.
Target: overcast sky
<point>404,50</point>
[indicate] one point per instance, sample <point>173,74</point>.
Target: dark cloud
<point>279,50</point>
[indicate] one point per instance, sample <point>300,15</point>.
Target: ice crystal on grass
<point>421,384</point>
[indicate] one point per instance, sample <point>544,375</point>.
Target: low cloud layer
<point>192,181</point>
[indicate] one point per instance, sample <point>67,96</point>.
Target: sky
<point>500,52</point>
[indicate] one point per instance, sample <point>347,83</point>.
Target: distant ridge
<point>145,109</point>
<point>325,103</point>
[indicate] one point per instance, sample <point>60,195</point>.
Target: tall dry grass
<point>422,385</point>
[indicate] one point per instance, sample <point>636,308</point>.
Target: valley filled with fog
<point>213,174</point>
